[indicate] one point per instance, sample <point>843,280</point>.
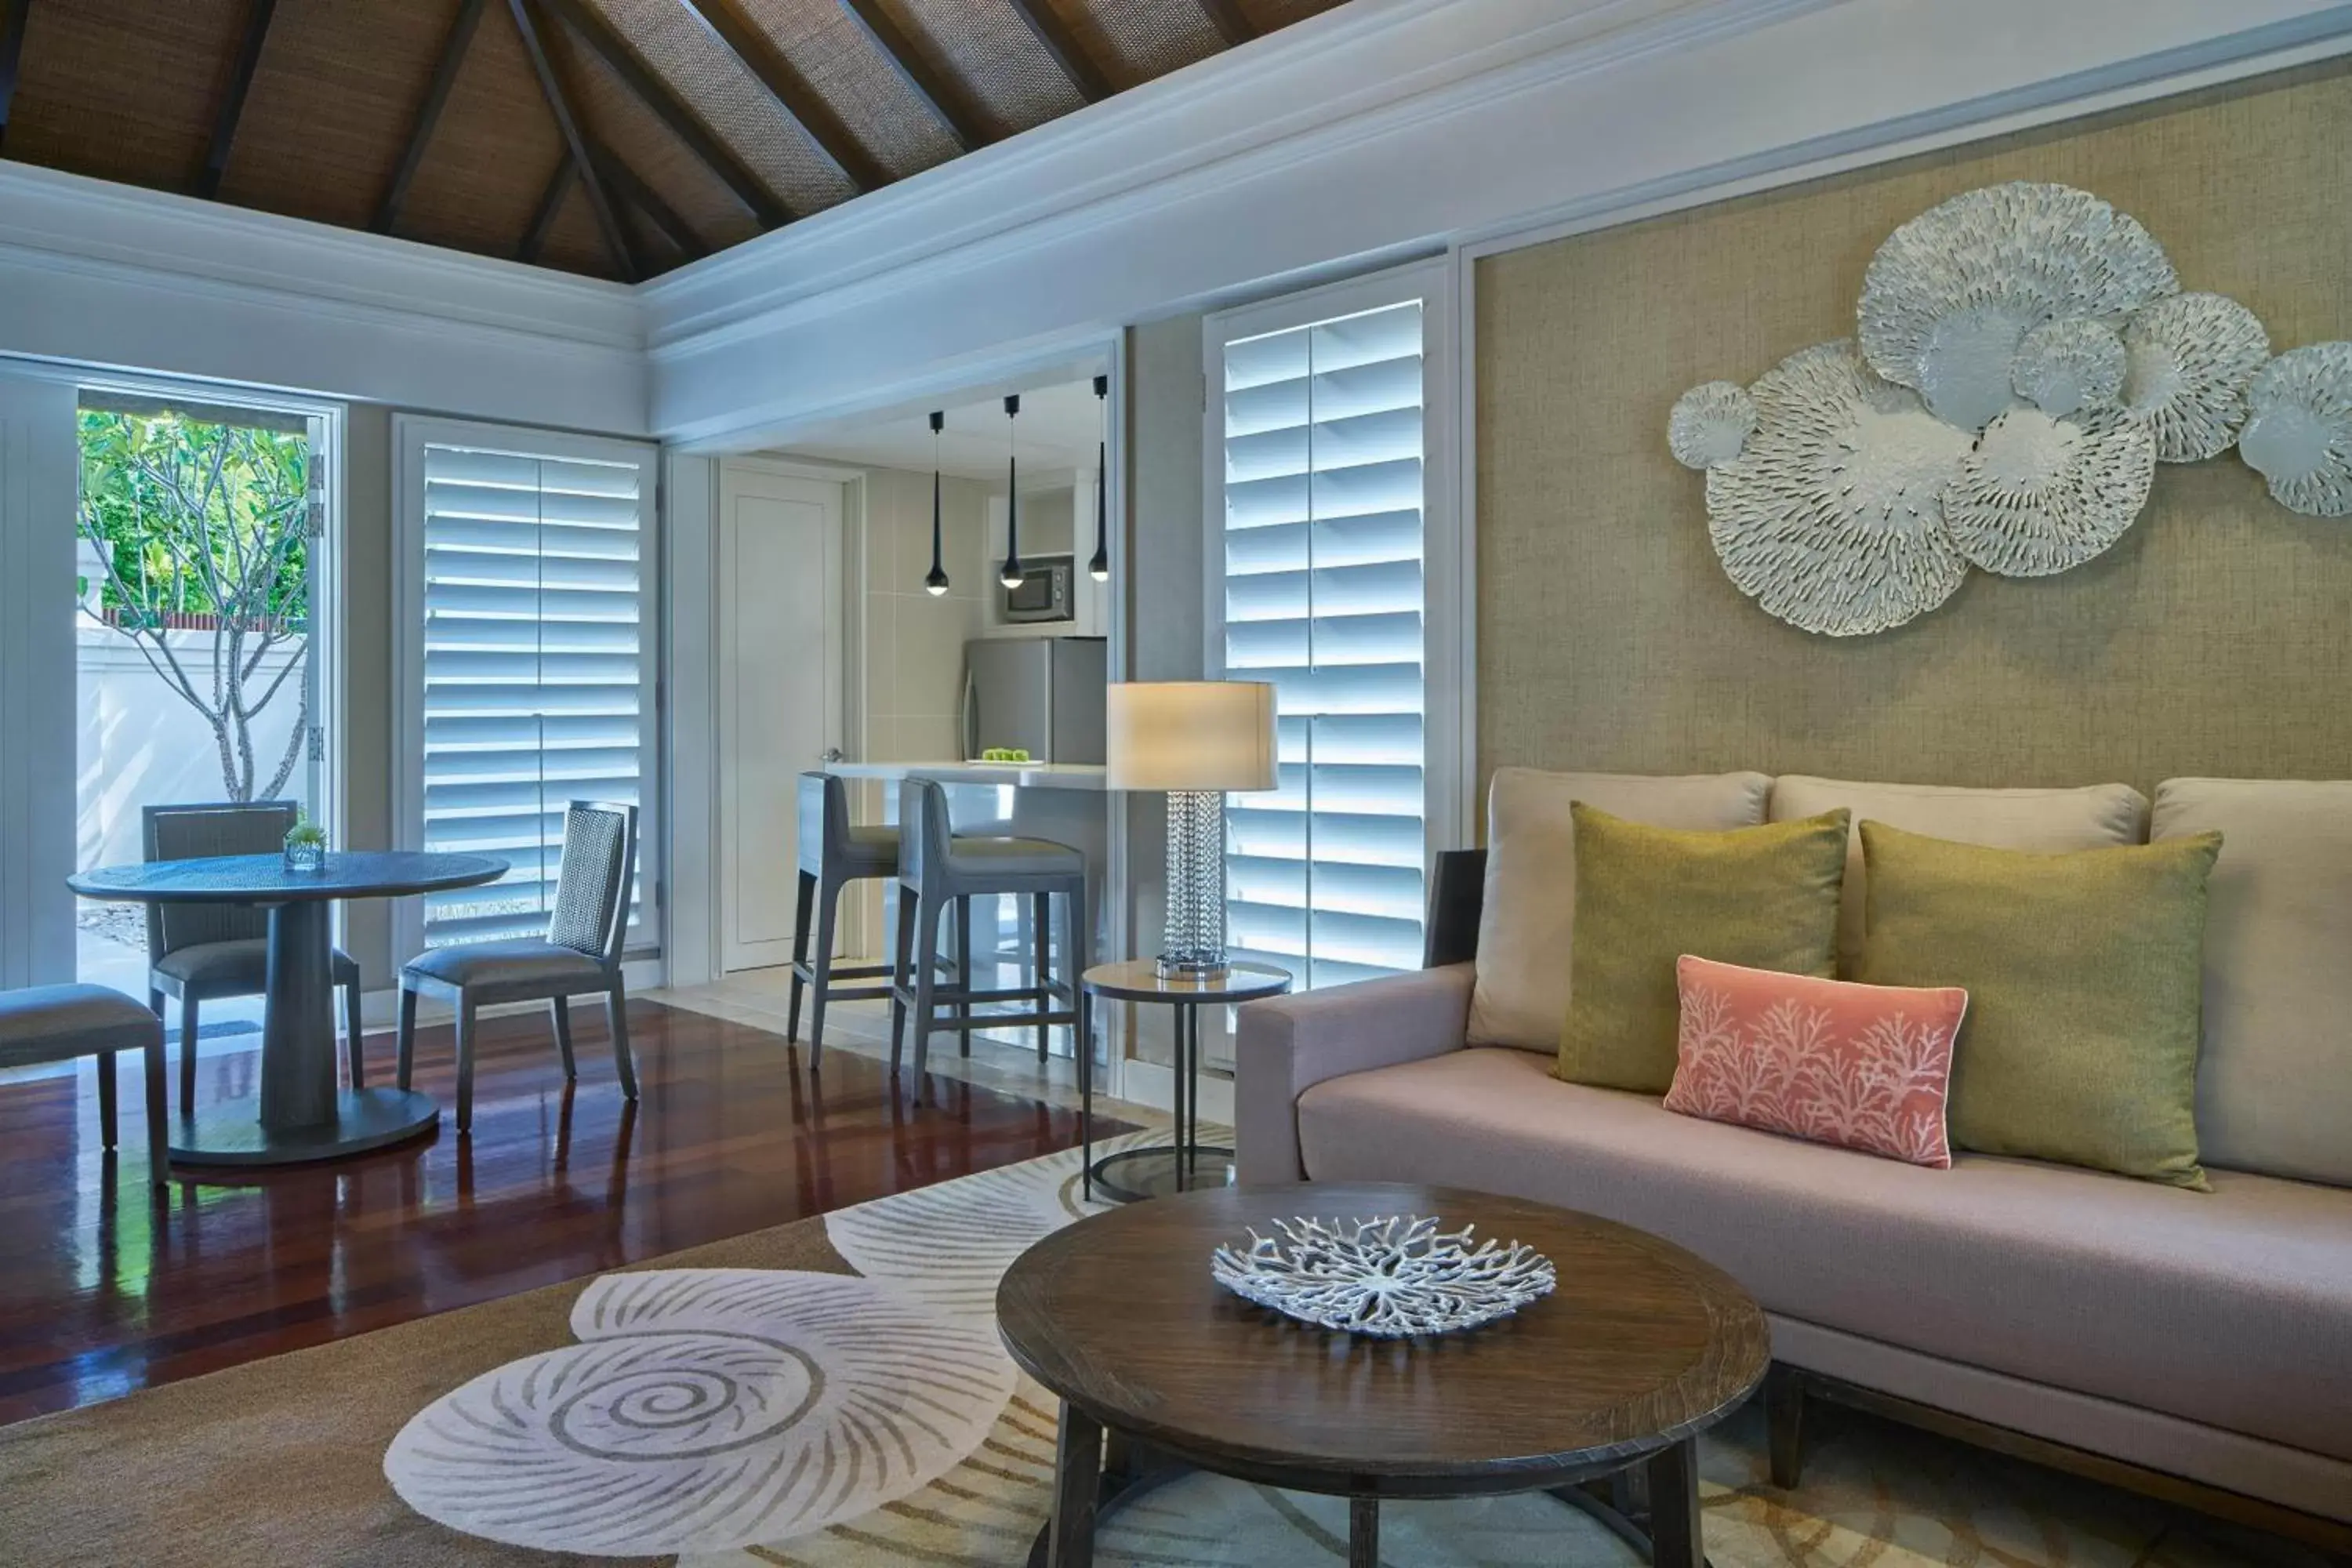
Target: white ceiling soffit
<point>1060,426</point>
<point>1377,130</point>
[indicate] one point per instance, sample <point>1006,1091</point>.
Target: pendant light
<point>1099,567</point>
<point>936,584</point>
<point>1010,575</point>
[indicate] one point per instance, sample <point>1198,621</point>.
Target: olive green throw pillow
<point>2084,973</point>
<point>1766,898</point>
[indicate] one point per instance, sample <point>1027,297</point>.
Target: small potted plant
<point>306,846</point>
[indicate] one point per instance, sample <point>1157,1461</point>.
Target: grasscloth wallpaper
<point>2215,639</point>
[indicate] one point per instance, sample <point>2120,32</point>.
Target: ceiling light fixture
<point>936,584</point>
<point>1012,575</point>
<point>1099,567</point>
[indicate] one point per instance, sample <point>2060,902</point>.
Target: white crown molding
<point>112,275</point>
<point>1381,131</point>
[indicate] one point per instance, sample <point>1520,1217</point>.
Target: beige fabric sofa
<point>2200,1336</point>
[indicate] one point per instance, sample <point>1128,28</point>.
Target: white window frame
<point>412,434</point>
<point>1449,619</point>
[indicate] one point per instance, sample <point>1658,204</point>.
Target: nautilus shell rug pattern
<point>832,1393</point>
<point>2023,358</point>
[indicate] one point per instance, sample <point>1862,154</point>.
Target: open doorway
<point>201,583</point>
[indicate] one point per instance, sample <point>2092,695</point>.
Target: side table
<point>1135,1174</point>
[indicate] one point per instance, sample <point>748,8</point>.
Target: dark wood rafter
<point>633,189</point>
<point>429,113</point>
<point>936,88</point>
<point>258,19</point>
<point>12,55</point>
<point>1063,45</point>
<point>590,26</point>
<point>550,207</point>
<point>726,22</point>
<point>575,138</point>
<point>1231,22</point>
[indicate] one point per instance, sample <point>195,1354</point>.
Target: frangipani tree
<point>200,524</point>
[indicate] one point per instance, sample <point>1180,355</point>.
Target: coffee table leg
<point>1363,1532</point>
<point>1674,1535</point>
<point>1077,1474</point>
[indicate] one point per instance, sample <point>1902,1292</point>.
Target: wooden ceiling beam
<point>11,56</point>
<point>575,138</point>
<point>429,113</point>
<point>258,17</point>
<point>657,96</point>
<point>726,21</point>
<point>634,191</point>
<point>1232,24</point>
<point>940,92</point>
<point>551,205</point>
<point>1063,45</point>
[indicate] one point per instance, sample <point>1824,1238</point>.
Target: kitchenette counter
<point>1024,775</point>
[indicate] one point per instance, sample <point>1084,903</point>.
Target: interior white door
<point>780,653</point>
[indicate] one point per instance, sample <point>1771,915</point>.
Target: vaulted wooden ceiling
<point>615,138</point>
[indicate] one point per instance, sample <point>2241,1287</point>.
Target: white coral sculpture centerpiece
<point>1392,1278</point>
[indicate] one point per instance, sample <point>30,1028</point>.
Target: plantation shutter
<point>1324,597</point>
<point>536,668</point>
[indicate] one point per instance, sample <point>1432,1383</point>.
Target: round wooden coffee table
<point>1608,1379</point>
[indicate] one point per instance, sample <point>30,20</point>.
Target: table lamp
<point>1197,739</point>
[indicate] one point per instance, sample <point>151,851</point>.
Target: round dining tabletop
<point>302,1111</point>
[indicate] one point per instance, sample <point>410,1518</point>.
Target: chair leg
<point>902,944</point>
<point>106,1088</point>
<point>963,970</point>
<point>561,1007</point>
<point>616,1011</point>
<point>1784,1423</point>
<point>405,1039</point>
<point>187,1055</point>
<point>159,1144</point>
<point>805,904</point>
<point>1041,919</point>
<point>925,966</point>
<point>465,1062</point>
<point>828,895</point>
<point>356,1049</point>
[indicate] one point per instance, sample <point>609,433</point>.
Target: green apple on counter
<point>1004,754</point>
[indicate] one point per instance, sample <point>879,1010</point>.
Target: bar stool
<point>938,866</point>
<point>834,853</point>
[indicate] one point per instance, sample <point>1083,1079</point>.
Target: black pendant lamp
<point>936,583</point>
<point>1099,567</point>
<point>1010,575</point>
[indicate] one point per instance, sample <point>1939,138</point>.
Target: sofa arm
<point>1289,1044</point>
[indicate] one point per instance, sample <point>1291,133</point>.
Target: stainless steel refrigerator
<point>1041,695</point>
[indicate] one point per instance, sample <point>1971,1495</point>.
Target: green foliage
<point>196,517</point>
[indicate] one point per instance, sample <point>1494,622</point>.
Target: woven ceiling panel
<point>731,100</point>
<point>1136,42</point>
<point>575,244</point>
<point>1270,15</point>
<point>987,45</point>
<point>854,77</point>
<point>331,104</point>
<point>123,89</point>
<point>637,136</point>
<point>491,155</point>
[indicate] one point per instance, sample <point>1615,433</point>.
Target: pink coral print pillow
<point>1865,1067</point>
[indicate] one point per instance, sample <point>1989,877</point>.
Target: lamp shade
<point>1190,735</point>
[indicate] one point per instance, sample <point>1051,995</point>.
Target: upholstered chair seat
<point>1013,858</point>
<point>238,968</point>
<point>529,962</point>
<point>64,1023</point>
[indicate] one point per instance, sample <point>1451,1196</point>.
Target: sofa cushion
<point>2234,1308</point>
<point>2082,973</point>
<point>1528,918</point>
<point>2274,1085</point>
<point>1765,897</point>
<point>2049,820</point>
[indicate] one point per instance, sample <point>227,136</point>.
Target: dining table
<point>301,1112</point>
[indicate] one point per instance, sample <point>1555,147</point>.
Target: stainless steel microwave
<point>1043,593</point>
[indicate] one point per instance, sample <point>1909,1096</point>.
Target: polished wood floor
<point>102,1293</point>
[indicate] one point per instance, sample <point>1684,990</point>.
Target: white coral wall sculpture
<point>2025,358</point>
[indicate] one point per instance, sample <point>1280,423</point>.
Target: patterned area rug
<point>832,1394</point>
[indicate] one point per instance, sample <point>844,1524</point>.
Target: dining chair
<point>62,1023</point>
<point>580,954</point>
<point>202,953</point>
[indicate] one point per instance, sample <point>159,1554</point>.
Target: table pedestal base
<point>229,1135</point>
<point>1132,1175</point>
